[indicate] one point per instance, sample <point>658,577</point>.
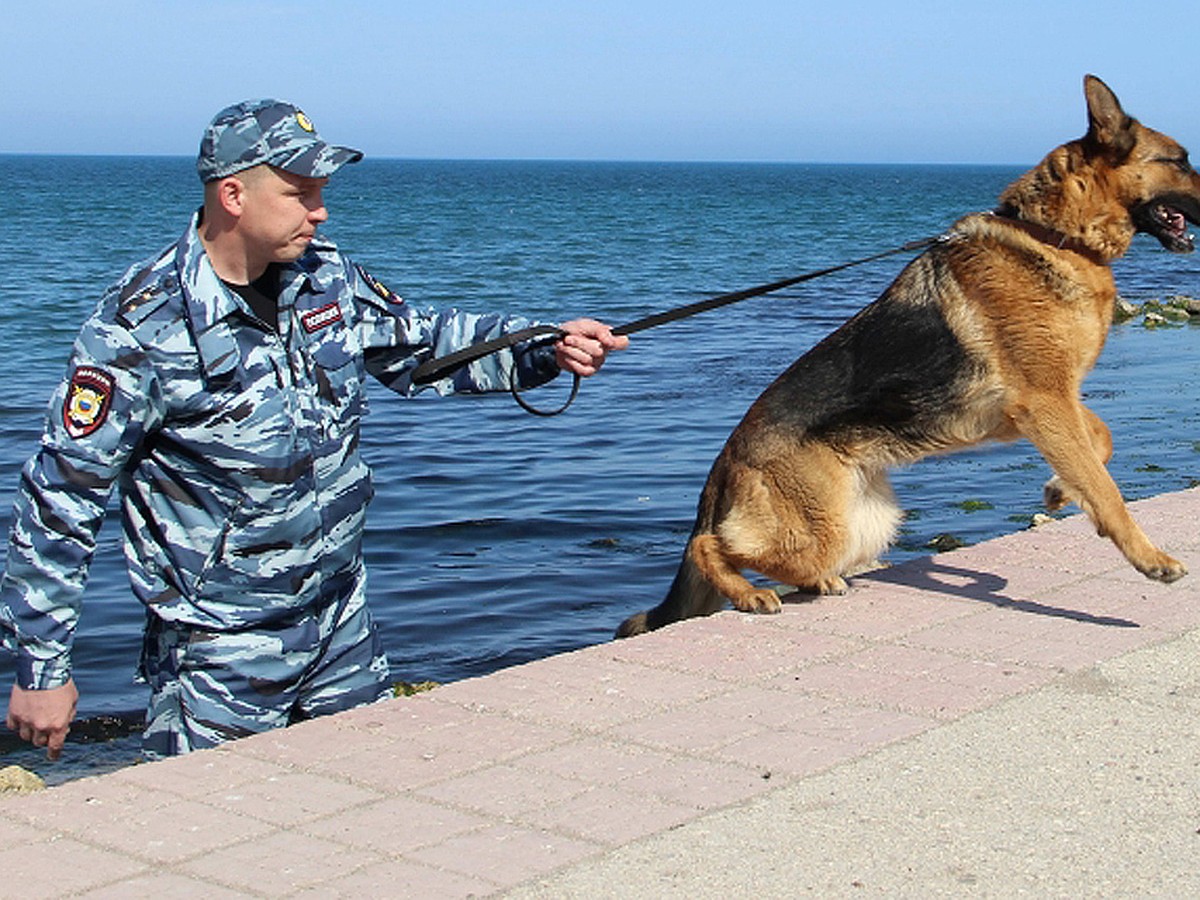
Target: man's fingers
<point>580,348</point>
<point>52,739</point>
<point>43,717</point>
<point>585,345</point>
<point>598,331</point>
<point>54,745</point>
<point>579,359</point>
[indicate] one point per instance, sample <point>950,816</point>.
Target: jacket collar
<point>206,303</point>
<point>210,307</point>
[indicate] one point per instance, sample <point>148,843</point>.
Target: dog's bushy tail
<point>690,595</point>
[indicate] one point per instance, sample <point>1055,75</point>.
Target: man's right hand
<point>43,717</point>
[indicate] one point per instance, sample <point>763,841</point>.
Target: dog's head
<point>1150,171</point>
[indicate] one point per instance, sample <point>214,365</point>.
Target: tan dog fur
<point>1016,306</point>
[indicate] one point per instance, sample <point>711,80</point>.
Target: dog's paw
<point>1054,495</point>
<point>1165,569</point>
<point>763,600</point>
<point>835,586</point>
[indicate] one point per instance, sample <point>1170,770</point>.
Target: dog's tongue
<point>1175,220</point>
<point>1179,224</point>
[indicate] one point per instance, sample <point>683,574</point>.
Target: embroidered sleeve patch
<point>88,398</point>
<point>378,286</point>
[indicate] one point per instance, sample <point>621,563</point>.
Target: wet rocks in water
<point>1175,309</point>
<point>944,543</point>
<point>1190,305</point>
<point>408,688</point>
<point>1123,310</point>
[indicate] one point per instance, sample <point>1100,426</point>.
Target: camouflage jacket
<point>235,447</point>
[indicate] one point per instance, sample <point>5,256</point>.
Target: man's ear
<point>231,195</point>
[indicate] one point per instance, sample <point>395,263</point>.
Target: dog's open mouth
<point>1167,219</point>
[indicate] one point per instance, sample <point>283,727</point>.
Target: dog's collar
<point>1055,239</point>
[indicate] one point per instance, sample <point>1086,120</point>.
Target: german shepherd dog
<point>986,336</point>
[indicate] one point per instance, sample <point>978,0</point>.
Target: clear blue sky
<point>790,80</point>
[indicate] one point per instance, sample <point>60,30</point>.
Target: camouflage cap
<point>267,131</point>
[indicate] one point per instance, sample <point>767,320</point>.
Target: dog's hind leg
<point>802,525</point>
<point>708,575</point>
<point>712,560</point>
<point>755,525</point>
<point>861,521</point>
<point>691,595</point>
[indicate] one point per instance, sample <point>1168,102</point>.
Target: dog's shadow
<point>985,587</point>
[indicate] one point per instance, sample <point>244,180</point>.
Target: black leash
<point>539,335</point>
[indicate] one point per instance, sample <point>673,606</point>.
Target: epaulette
<point>141,296</point>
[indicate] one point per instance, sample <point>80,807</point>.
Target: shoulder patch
<point>377,286</point>
<point>89,396</point>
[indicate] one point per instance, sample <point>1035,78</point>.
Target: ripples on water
<point>496,537</point>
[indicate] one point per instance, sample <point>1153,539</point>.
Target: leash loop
<point>516,391</point>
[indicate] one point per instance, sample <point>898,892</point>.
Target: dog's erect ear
<point>1110,130</point>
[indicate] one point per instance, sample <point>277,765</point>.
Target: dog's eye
<point>1179,162</point>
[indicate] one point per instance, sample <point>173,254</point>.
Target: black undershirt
<point>262,295</point>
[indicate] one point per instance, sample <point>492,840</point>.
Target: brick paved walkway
<point>493,784</point>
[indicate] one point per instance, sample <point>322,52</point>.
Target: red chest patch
<point>321,317</point>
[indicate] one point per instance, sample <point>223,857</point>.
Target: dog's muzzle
<point>1167,218</point>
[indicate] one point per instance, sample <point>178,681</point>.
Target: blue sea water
<point>496,537</point>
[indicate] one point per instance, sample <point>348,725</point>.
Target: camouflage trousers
<point>209,687</point>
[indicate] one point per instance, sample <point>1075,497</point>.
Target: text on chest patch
<point>316,319</point>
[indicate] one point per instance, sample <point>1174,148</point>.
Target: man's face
<point>280,213</point>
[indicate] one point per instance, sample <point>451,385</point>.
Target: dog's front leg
<point>1056,494</point>
<point>1066,434</point>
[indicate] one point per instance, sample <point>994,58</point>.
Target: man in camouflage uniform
<point>220,386</point>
